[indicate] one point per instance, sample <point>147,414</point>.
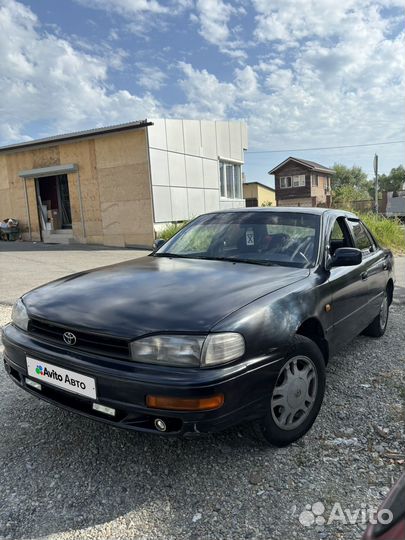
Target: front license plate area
<point>68,380</point>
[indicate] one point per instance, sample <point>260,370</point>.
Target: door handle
<point>364,275</point>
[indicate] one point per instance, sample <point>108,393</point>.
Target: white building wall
<point>184,161</point>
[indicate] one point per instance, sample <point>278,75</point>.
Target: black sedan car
<point>232,320</point>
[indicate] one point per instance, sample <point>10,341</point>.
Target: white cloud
<point>141,16</point>
<point>126,7</point>
<point>337,76</point>
<point>207,97</point>
<point>139,11</point>
<point>150,77</point>
<point>345,80</point>
<point>345,83</point>
<point>45,80</point>
<point>214,17</point>
<point>246,81</point>
<point>289,20</point>
<point>295,20</point>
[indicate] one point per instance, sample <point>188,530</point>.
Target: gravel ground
<point>66,477</point>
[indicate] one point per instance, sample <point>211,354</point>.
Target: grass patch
<point>389,232</point>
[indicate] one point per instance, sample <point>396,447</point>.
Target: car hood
<point>155,294</point>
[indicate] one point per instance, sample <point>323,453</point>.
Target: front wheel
<point>379,325</point>
<point>296,396</point>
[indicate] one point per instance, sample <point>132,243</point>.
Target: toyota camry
<point>233,320</point>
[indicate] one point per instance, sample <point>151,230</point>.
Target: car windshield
<point>268,238</point>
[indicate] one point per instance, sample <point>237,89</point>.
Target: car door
<point>348,288</point>
<point>374,266</point>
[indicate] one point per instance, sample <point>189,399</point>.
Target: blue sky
<point>302,73</point>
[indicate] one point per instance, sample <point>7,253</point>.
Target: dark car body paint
<point>154,294</point>
<point>266,304</point>
<point>395,502</point>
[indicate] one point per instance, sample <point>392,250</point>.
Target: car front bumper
<point>124,385</point>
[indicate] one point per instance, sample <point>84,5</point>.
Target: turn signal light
<point>185,404</point>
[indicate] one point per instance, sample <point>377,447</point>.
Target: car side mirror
<point>346,256</point>
<point>158,243</point>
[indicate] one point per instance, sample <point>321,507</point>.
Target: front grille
<point>93,343</point>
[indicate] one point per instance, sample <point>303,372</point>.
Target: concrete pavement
<point>26,265</point>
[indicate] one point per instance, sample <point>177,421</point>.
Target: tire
<point>379,325</point>
<point>273,429</point>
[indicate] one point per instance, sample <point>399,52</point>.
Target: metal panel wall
<point>184,156</point>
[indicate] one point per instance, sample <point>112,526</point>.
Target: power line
<point>321,148</point>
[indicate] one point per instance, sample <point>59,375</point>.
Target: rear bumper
<point>124,385</point>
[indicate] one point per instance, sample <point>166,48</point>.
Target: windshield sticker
<point>250,237</point>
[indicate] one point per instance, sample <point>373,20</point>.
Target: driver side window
<point>339,236</point>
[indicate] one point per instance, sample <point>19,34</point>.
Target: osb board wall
<point>80,153</point>
<point>13,164</point>
<point>114,184</point>
<point>124,188</point>
<point>5,205</point>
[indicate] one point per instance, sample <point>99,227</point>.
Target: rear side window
<point>361,237</point>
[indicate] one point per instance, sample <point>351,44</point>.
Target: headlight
<point>222,348</point>
<point>19,315</point>
<point>189,351</point>
<point>169,350</point>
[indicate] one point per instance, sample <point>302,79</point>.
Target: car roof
<point>296,209</point>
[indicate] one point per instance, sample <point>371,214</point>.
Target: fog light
<point>160,424</point>
<point>34,384</point>
<point>185,404</point>
<point>103,409</point>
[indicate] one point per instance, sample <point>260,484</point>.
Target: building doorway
<point>54,203</point>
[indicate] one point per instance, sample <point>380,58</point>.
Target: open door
<point>54,209</point>
<point>54,203</point>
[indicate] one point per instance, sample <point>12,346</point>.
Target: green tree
<point>349,184</point>
<point>394,181</point>
<point>353,176</point>
<point>346,194</point>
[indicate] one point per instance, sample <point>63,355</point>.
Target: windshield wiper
<point>172,255</point>
<point>261,262</point>
<point>236,259</point>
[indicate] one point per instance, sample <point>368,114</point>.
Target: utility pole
<point>376,183</point>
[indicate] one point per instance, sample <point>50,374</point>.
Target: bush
<point>170,230</point>
<point>389,232</point>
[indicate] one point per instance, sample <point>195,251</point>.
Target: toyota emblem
<point>69,338</point>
